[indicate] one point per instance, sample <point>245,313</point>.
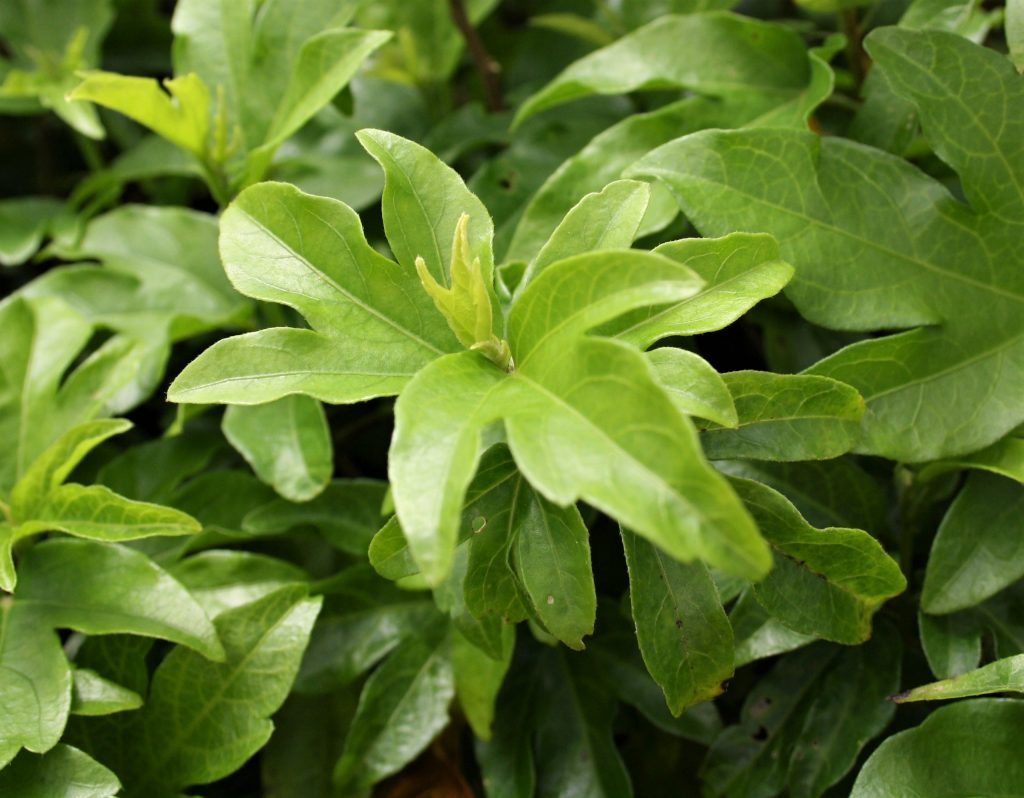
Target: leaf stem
<point>489,69</point>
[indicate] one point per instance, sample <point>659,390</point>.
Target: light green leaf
<point>803,725</point>
<point>978,549</point>
<point>98,513</point>
<point>8,577</point>
<point>1014,28</point>
<point>759,635</point>
<point>178,110</point>
<point>62,772</point>
<point>1002,676</point>
<point>608,219</point>
<point>551,555</point>
<point>35,680</point>
<point>594,402</point>
<point>423,202</point>
<point>403,706</point>
<point>739,271</point>
<point>202,720</point>
<point>434,452</point>
<point>826,582</point>
<point>478,678</point>
<point>551,308</point>
<point>787,417</point>
<point>54,465</point>
<point>965,749</point>
<point>68,582</point>
<point>286,442</point>
<point>280,245</point>
<point>348,513</point>
<point>722,64</point>
<point>684,635</point>
<point>1004,457</point>
<point>878,244</point>
<point>951,643</point>
<point>91,694</point>
<point>468,305</point>
<point>693,385</point>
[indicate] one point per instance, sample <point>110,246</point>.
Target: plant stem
<point>490,71</point>
<point>855,56</point>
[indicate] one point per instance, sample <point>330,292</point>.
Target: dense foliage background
<point>704,474</point>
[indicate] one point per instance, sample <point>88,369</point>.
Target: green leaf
<point>44,392</point>
<point>98,513</point>
<point>803,725</point>
<point>965,749</point>
<point>951,643</point>
<point>24,223</point>
<point>423,202</point>
<point>324,64</point>
<point>221,579</point>
<point>977,551</point>
<point>35,680</point>
<point>1002,676</point>
<point>286,442</point>
<point>573,737</point>
<point>650,58</point>
<point>787,417</point>
<point>759,635</point>
<point>693,385</point>
<point>91,694</point>
<point>403,706</point>
<point>478,678</point>
<point>492,513</point>
<point>202,720</point>
<point>54,465</point>
<point>826,582</point>
<point>879,245</point>
<point>615,654</point>
<point>365,619</point>
<point>506,759</point>
<point>178,109</point>
<point>684,635</point>
<point>738,270</point>
<point>280,245</point>
<point>160,274</point>
<point>551,555</point>
<point>348,513</point>
<point>608,219</point>
<point>62,772</point>
<point>68,582</point>
<point>827,493</point>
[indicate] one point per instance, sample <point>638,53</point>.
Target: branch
<point>489,69</point>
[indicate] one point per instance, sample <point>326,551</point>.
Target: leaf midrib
<point>320,275</point>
